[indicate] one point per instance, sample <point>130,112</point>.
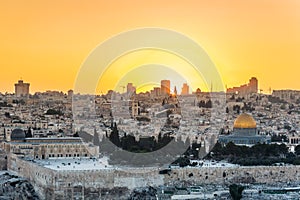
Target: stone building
<point>44,148</point>
<point>165,86</point>
<point>244,132</point>
<point>185,89</point>
<point>22,89</point>
<point>287,95</point>
<point>249,88</point>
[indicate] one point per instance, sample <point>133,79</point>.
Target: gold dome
<point>244,121</point>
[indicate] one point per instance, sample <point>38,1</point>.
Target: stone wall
<point>37,175</point>
<point>222,175</point>
<point>3,160</point>
<point>53,184</point>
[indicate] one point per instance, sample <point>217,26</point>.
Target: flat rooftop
<point>81,164</point>
<point>71,164</point>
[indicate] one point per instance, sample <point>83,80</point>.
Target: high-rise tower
<point>22,89</point>
<point>165,87</point>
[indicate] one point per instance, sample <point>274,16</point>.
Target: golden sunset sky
<point>45,42</point>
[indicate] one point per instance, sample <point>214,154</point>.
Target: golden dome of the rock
<point>244,121</point>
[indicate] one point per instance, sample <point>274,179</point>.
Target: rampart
<point>57,184</point>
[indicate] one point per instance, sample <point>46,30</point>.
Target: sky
<point>46,42</point>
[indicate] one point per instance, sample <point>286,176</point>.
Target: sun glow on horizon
<point>46,42</point>
<point>146,68</point>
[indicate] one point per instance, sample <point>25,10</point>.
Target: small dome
<point>244,121</point>
<point>17,134</point>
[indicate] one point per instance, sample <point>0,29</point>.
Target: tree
<point>201,104</point>
<point>237,108</point>
<point>218,149</point>
<point>283,149</point>
<point>208,104</point>
<point>236,191</point>
<point>53,112</point>
<point>76,134</point>
<point>7,115</point>
<point>28,133</point>
<point>182,162</point>
<point>231,148</point>
<point>114,136</point>
<point>22,102</point>
<point>227,110</point>
<point>297,150</point>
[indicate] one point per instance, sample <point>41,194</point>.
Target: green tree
<point>114,135</point>
<point>236,191</point>
<point>7,115</point>
<point>28,133</point>
<point>53,112</point>
<point>297,150</point>
<point>227,110</point>
<point>218,149</point>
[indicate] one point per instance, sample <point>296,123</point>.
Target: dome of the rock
<point>244,121</point>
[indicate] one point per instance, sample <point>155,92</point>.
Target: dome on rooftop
<point>17,134</point>
<point>244,121</point>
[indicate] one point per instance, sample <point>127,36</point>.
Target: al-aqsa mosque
<point>244,132</point>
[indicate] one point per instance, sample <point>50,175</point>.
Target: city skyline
<point>152,99</point>
<point>147,89</point>
<point>22,89</point>
<point>49,45</point>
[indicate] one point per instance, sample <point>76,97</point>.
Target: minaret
<point>175,91</point>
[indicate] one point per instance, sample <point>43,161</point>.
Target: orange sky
<point>45,42</point>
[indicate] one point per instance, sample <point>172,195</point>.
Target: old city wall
<point>68,184</point>
<point>56,184</point>
<point>222,175</point>
<point>37,175</point>
<point>3,160</point>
